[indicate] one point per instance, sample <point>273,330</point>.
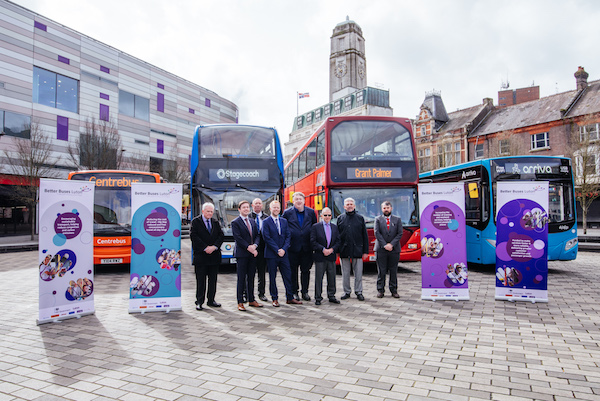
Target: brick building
<point>510,97</point>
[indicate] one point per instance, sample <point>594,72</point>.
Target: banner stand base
<point>434,299</point>
<point>142,312</point>
<point>60,319</point>
<point>532,300</point>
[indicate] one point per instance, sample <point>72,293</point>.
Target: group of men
<point>291,243</point>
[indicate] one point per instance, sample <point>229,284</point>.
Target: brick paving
<point>381,349</point>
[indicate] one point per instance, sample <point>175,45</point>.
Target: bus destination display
<point>354,173</point>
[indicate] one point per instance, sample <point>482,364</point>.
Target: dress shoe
<point>334,301</point>
<point>306,297</point>
<point>263,298</point>
<point>395,295</point>
<point>360,297</point>
<point>275,303</point>
<point>317,302</point>
<point>296,297</point>
<point>244,300</point>
<point>214,304</point>
<point>293,301</point>
<point>241,307</point>
<point>380,295</point>
<point>345,296</point>
<point>255,304</point>
<point>199,307</point>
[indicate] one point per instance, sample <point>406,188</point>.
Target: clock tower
<point>347,63</point>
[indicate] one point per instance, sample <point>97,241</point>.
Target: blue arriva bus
<point>231,163</point>
<point>480,178</point>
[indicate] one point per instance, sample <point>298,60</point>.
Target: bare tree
<point>505,143</point>
<point>31,159</point>
<point>585,151</point>
<point>175,168</point>
<point>99,146</point>
<point>138,161</point>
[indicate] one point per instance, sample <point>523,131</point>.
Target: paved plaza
<point>395,349</point>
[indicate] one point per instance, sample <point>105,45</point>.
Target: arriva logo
<point>537,169</point>
<point>563,228</point>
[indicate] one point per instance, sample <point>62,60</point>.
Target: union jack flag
<point>303,95</point>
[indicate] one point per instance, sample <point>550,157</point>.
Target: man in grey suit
<point>388,232</point>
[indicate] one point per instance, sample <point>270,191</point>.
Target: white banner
<point>522,241</point>
<point>66,250</point>
<point>155,281</point>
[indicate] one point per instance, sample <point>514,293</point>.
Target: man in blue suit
<point>325,241</point>
<point>246,237</point>
<point>300,219</point>
<point>276,236</point>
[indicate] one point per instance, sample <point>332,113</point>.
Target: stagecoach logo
<point>238,174</point>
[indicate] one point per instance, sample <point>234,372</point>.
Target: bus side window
<point>302,165</point>
<point>321,149</point>
<point>311,156</point>
<point>472,202</point>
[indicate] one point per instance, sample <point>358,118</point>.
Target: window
<point>104,112</point>
<point>134,106</point>
<point>55,90</point>
<point>424,159</point>
<point>457,158</point>
<point>448,154</point>
<point>588,133</point>
<point>504,146</point>
<point>479,151</point>
<point>321,149</point>
<point>237,142</point>
<point>423,130</point>
<point>15,124</point>
<point>587,164</point>
<point>302,164</point>
<point>540,141</point>
<point>440,156</point>
<point>311,156</point>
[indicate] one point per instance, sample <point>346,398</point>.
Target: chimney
<point>581,78</point>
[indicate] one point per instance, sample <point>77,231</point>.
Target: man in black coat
<point>325,241</point>
<point>207,236</point>
<point>300,219</point>
<point>388,232</point>
<point>354,247</point>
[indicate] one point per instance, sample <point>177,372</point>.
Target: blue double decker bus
<point>231,163</point>
<point>480,178</point>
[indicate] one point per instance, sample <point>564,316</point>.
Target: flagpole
<point>297,97</point>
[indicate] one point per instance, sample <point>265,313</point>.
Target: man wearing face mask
<point>388,232</point>
<point>354,247</point>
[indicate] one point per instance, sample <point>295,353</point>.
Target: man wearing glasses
<point>325,242</point>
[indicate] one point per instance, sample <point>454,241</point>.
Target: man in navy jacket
<point>276,235</point>
<point>300,219</point>
<point>246,237</point>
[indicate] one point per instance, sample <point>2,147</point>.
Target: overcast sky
<point>258,54</point>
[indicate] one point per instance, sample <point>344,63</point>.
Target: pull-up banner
<point>155,281</point>
<point>66,250</point>
<point>443,242</point>
<point>522,241</point>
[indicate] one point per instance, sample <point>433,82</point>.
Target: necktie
<point>388,223</point>
<point>248,226</point>
<point>258,222</point>
<point>328,234</point>
<point>208,225</point>
<point>278,226</point>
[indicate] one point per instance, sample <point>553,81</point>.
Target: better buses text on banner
<point>443,242</point>
<point>522,241</point>
<point>66,250</point>
<point>155,281</point>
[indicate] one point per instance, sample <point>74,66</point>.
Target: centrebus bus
<point>368,158</point>
<point>480,178</point>
<point>112,211</point>
<point>231,163</point>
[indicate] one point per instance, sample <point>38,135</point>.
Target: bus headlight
<point>412,246</point>
<point>492,242</point>
<point>571,243</point>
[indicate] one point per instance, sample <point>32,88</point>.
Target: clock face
<point>361,71</point>
<point>340,70</point>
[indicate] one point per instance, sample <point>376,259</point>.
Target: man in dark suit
<point>276,235</point>
<point>246,237</point>
<point>388,232</point>
<point>261,263</point>
<point>300,219</point>
<point>207,236</point>
<point>325,241</point>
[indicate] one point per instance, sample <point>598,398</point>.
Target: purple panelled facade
<point>161,86</point>
<point>104,96</point>
<point>105,69</point>
<point>207,102</point>
<point>64,60</point>
<point>160,102</point>
<point>160,146</point>
<point>39,25</point>
<point>192,111</point>
<point>62,128</point>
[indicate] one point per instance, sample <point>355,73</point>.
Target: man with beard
<point>388,232</point>
<point>354,247</point>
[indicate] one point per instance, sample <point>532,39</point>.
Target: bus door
<point>473,216</point>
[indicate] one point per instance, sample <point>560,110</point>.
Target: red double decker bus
<point>368,158</point>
